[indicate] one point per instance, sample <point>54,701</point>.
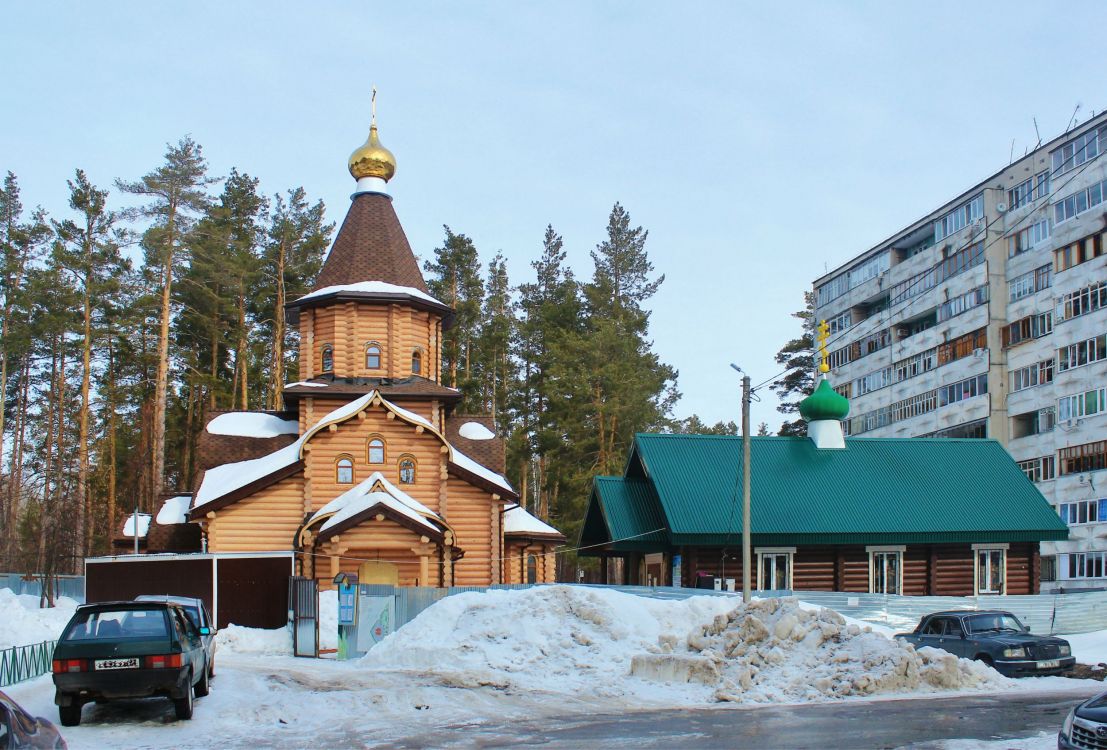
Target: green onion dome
<point>824,403</point>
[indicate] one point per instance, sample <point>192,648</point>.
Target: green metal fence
<point>24,662</point>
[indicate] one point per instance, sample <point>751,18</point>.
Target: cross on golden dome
<point>822,336</point>
<point>371,159</point>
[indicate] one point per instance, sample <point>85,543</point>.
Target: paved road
<point>915,724</point>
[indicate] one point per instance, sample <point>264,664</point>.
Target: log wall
<point>515,562</point>
<point>265,521</point>
<point>383,541</point>
<point>473,515</point>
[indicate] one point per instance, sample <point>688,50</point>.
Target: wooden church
<point>370,469</point>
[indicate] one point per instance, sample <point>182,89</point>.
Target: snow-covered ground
<point>497,656</point>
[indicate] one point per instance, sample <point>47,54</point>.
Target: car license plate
<point>131,663</point>
<point>1049,664</point>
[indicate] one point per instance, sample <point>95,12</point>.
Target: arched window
<point>532,569</point>
<point>407,470</point>
<point>373,356</point>
<point>344,470</point>
<point>376,450</point>
<point>416,362</point>
<point>327,358</point>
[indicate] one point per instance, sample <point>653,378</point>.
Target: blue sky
<point>758,143</point>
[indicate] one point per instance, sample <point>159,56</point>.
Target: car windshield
<point>101,625</point>
<point>994,622</point>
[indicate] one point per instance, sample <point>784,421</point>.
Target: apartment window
<point>1080,251</point>
<point>1082,404</point>
<point>1083,564</point>
<point>774,566</point>
<point>1038,469</point>
<point>1031,327</point>
<point>1032,375</point>
<point>1049,568</point>
<point>326,358</point>
<point>344,470</point>
<point>1033,422</point>
<point>962,346</point>
<point>1030,282</point>
<point>960,261</point>
<point>373,357</point>
<point>873,381</point>
<point>1081,459</point>
<point>915,406</point>
<point>1078,203</point>
<point>376,450</point>
<point>407,469</point>
<point>1082,353</point>
<point>841,322</point>
<point>856,276</point>
<point>962,303</point>
<point>1083,512</point>
<point>1077,151</point>
<point>1084,301</point>
<point>1028,239</point>
<point>978,428</point>
<point>845,390</point>
<point>885,570</point>
<point>991,570</point>
<point>959,218</point>
<point>1027,192</point>
<point>951,394</point>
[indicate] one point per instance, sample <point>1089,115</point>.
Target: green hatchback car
<point>116,650</point>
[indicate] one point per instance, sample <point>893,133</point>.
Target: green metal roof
<point>626,509</point>
<point>876,491</point>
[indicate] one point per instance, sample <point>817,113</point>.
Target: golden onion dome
<point>371,159</point>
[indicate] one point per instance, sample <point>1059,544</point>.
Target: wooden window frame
<point>417,354</point>
<point>380,355</point>
<point>400,468</point>
<point>338,467</point>
<point>369,447</point>
<point>327,350</point>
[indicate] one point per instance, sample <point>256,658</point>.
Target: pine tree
<point>456,281</point>
<point>798,358</point>
<point>693,425</point>
<point>296,242</point>
<point>176,193</point>
<point>497,329</point>
<point>88,252</point>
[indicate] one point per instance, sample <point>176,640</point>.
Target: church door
<point>378,572</point>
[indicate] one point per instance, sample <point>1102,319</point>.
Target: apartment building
<point>988,318</point>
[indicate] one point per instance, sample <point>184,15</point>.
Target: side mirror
<point>1026,628</point>
<point>205,631</point>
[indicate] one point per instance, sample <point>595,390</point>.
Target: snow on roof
<point>460,459</point>
<point>372,287</point>
<point>174,509</point>
<point>518,521</point>
<point>307,384</point>
<point>252,424</point>
<point>362,497</point>
<point>143,525</point>
<point>409,415</point>
<point>475,431</point>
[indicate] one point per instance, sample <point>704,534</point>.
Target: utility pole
<point>746,562</point>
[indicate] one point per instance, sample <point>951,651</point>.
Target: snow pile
<point>252,424</point>
<point>23,623</point>
<point>777,650</point>
<point>561,638</point>
<point>475,431</point>
<point>236,639</point>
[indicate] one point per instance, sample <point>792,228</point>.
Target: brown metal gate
<point>303,605</point>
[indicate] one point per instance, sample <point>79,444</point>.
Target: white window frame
<point>872,551</point>
<point>763,552</point>
<point>976,550</point>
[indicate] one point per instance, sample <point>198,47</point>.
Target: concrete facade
<point>984,319</point>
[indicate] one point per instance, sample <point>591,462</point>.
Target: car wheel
<point>211,669</point>
<point>985,659</point>
<point>202,686</point>
<point>183,706</point>
<point>70,715</point>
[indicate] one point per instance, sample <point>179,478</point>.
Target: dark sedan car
<point>196,612</point>
<point>1085,727</point>
<point>995,638</point>
<point>18,729</point>
<point>129,650</point>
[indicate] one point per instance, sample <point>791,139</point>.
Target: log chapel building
<point>370,469</point>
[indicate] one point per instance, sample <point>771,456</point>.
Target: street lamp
<point>746,561</point>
